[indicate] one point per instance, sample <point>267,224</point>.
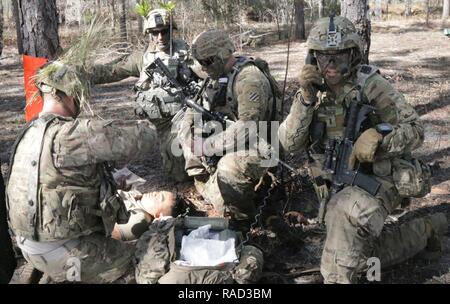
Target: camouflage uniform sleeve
<point>408,133</point>
<point>117,70</point>
<point>294,130</point>
<point>253,95</point>
<point>85,141</point>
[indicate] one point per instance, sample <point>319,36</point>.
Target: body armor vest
<point>219,94</point>
<point>329,118</point>
<point>46,203</point>
<point>155,96</point>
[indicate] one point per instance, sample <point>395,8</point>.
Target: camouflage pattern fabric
<point>154,99</point>
<point>231,186</point>
<point>124,67</point>
<point>76,198</point>
<point>95,260</point>
<point>355,219</point>
<point>157,249</point>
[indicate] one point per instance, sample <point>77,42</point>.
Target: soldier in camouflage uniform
<point>241,91</point>
<point>354,218</point>
<point>155,98</point>
<point>61,197</point>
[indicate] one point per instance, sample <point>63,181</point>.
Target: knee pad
<point>361,210</point>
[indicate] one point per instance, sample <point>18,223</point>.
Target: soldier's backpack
<point>159,248</point>
<point>263,66</point>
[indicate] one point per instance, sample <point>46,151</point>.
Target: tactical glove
<point>365,147</point>
<point>309,76</point>
<point>195,167</point>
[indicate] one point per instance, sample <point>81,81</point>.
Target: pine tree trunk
<point>16,14</point>
<point>123,20</point>
<point>39,28</point>
<point>1,28</point>
<point>445,10</point>
<point>299,6</point>
<point>357,12</point>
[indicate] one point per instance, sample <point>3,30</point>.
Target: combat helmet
<point>212,43</point>
<point>335,33</point>
<point>58,76</point>
<point>158,19</point>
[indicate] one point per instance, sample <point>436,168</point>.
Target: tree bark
<point>357,12</point>
<point>16,14</point>
<point>39,28</point>
<point>299,6</point>
<point>427,10</point>
<point>1,28</point>
<point>445,10</point>
<point>123,20</point>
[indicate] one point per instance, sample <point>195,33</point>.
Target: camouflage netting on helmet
<point>348,38</point>
<point>64,78</point>
<point>158,19</point>
<point>212,43</point>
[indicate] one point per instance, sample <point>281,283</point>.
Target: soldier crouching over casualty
<point>240,89</point>
<point>359,133</point>
<point>61,197</point>
<point>156,100</point>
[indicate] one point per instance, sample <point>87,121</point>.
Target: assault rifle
<point>191,90</point>
<point>338,152</point>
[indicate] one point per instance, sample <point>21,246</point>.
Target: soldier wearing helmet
<point>241,90</point>
<point>332,78</point>
<point>155,98</point>
<point>61,197</point>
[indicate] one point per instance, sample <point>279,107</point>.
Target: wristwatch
<point>384,128</point>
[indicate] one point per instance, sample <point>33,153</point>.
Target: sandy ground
<point>415,59</point>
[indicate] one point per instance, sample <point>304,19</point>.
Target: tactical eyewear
<point>206,62</point>
<point>338,57</point>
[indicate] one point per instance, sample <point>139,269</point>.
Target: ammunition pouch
<point>412,177</point>
<point>157,103</point>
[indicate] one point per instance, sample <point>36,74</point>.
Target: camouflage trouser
<point>232,186</point>
<point>355,221</point>
<point>172,155</point>
<point>99,259</point>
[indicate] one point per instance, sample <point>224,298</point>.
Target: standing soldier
<point>156,99</point>
<point>61,196</point>
<point>380,165</point>
<point>241,89</point>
